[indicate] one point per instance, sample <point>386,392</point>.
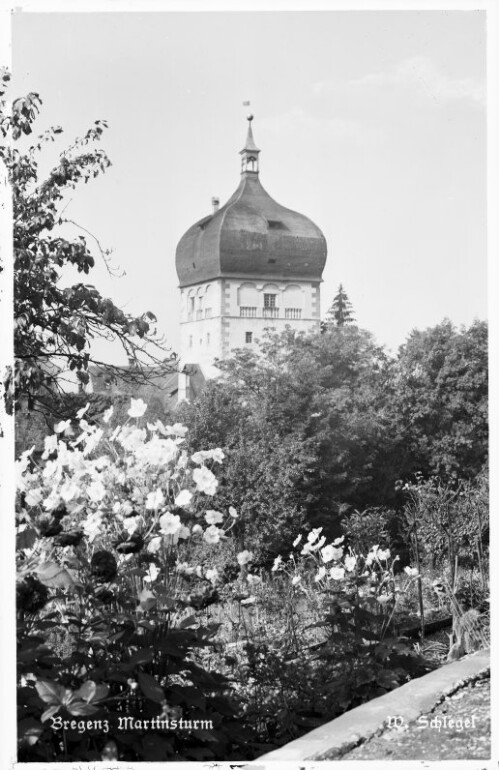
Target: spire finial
<point>250,152</point>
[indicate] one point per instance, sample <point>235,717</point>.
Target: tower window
<point>269,300</point>
<point>249,337</point>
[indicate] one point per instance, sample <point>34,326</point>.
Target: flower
<point>107,414</point>
<point>249,600</point>
<point>212,534</point>
<point>350,562</point>
<point>131,523</point>
<point>232,512</point>
<point>384,598</point>
<point>244,557</point>
<point>92,525</point>
<point>411,571</point>
<point>152,573</point>
<point>155,500</point>
<point>96,491</point>
<point>183,532</point>
<point>296,580</point>
<point>50,445</point>
<point>154,544</point>
<point>314,534</point>
<point>252,579</point>
<point>213,517</point>
<point>62,426</point>
<point>339,540</point>
<point>183,498</point>
<point>169,523</point>
<point>295,542</point>
<point>211,575</point>
<point>205,480</point>
<point>337,573</point>
<point>81,412</point>
<point>70,490</point>
<point>384,555</point>
<point>196,529</point>
<point>137,407</point>
<point>277,563</point>
<point>34,496</point>
<point>321,573</point>
<point>330,552</point>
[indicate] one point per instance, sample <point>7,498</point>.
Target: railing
<point>270,312</point>
<point>292,312</point>
<point>247,312</point>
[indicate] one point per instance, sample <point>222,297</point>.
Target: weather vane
<point>248,104</point>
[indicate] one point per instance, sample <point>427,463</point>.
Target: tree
<point>54,326</point>
<point>440,400</point>
<point>340,313</point>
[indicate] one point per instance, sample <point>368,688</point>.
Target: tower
<point>250,265</point>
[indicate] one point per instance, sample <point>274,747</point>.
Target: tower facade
<point>250,265</point>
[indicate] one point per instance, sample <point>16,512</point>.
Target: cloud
<point>422,73</point>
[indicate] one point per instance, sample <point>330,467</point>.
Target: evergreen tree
<point>340,313</point>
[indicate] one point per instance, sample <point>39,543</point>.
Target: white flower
<point>92,525</point>
<point>50,445</point>
<point>154,544</point>
<point>196,529</point>
<point>177,430</point>
<point>34,496</point>
<point>295,542</point>
<point>212,534</point>
<point>232,512</point>
<point>337,573</point>
<point>205,480</point>
<point>169,523</point>
<point>92,439</point>
<point>213,517</point>
<point>217,455</point>
<point>277,563</point>
<point>249,600</point>
<point>137,407</point>
<point>253,579</point>
<point>152,573</point>
<point>131,524</point>
<point>339,540</point>
<point>384,598</point>
<point>70,490</point>
<point>183,498</point>
<point>244,557</point>
<point>183,533</point>
<point>330,552</point>
<point>211,575</point>
<point>411,571</point>
<point>384,555</point>
<point>350,562</point>
<point>155,500</point>
<point>81,412</point>
<point>96,491</point>
<point>296,580</point>
<point>320,574</point>
<point>62,426</point>
<point>314,534</point>
<point>107,414</point>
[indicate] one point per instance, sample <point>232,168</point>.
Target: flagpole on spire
<point>249,153</point>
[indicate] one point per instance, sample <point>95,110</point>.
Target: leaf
<point>30,730</point>
<point>82,709</point>
<point>141,656</point>
<point>53,575</point>
<point>150,687</point>
<point>188,622</point>
<point>49,712</point>
<point>147,599</point>
<point>87,691</point>
<point>50,692</point>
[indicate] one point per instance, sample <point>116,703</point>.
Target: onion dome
<point>251,236</point>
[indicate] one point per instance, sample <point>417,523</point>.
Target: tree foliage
<point>54,325</point>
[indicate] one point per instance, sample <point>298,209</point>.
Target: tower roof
<point>251,236</point>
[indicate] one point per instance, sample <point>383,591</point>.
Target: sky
<point>371,123</point>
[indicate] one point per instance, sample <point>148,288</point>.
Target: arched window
<point>208,296</point>
<point>292,300</point>
<point>247,299</point>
